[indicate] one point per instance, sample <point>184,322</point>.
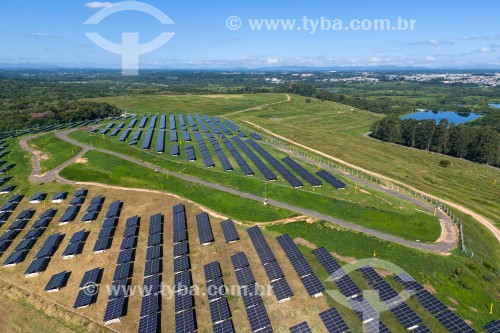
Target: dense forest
<point>475,143</point>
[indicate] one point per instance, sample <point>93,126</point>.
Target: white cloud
<point>484,50</point>
<point>430,59</point>
<point>98,4</point>
<point>433,42</point>
<point>40,34</point>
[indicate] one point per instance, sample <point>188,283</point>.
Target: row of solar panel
<point>256,312</point>
<point>105,236</point>
<point>48,128</point>
<point>220,313</point>
<point>205,233</point>
<point>117,299</point>
<point>275,274</point>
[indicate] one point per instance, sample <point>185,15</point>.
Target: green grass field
<point>55,152</point>
<point>354,206</point>
<point>203,104</point>
<point>464,285</point>
<point>335,129</point>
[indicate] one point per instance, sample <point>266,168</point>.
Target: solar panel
<point>333,321</point>
<point>219,310</point>
<point>152,267</point>
<point>239,260</point>
<point>150,304</point>
<point>493,327</point>
<point>155,228</point>
<point>15,258</point>
<point>114,209</point>
<point>347,287</point>
<point>309,177</point>
<point>72,249</point>
<point>302,267</point>
<point>453,323</point>
<point>90,277</point>
<point>405,315</point>
<point>128,243</point>
<point>78,236</point>
<point>174,150</point>
<point>430,302</point>
<point>57,281</point>
<point>408,282</point>
<point>212,271</point>
<point>330,179</point>
<point>370,275</point>
<point>181,248</point>
<point>37,266</point>
<point>185,321</point>
<point>257,317</point>
<point>281,289</point>
<point>84,298</point>
<point>363,310</point>
<point>181,263</point>
<point>229,230</point>
<point>180,236</point>
<point>273,271</point>
<point>289,176</point>
<point>224,327</point>
<point>303,327</point>
<point>183,301</point>
<point>148,324</point>
<point>245,168</point>
<point>114,310</point>
<point>119,289</point>
<point>155,239</point>
<point>245,276</point>
<point>151,284</point>
<point>263,168</point>
<point>182,280</point>
<point>125,256</point>
<point>154,252</point>
<point>49,246</point>
<point>215,289</point>
<point>376,326</point>
<point>312,284</point>
<point>250,295</point>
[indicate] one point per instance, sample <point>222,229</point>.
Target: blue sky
<point>446,34</point>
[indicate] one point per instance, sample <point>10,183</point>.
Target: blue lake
<point>495,105</point>
<point>452,117</point>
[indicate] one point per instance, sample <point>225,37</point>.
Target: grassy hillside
<point>55,152</point>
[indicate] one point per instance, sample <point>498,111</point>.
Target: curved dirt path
<point>288,99</point>
<point>481,219</point>
<point>440,247</point>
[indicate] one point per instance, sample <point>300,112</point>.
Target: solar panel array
<point>219,307</point>
<point>310,281</point>
<point>146,142</point>
<point>268,174</point>
<point>256,312</point>
<point>174,150</point>
<point>247,170</point>
<point>173,136</point>
<point>8,208</point>
<point>309,177</point>
<point>151,298</point>
<point>152,123</point>
<point>160,141</point>
<point>185,315</point>
<point>75,244</point>
<point>229,230</point>
<point>29,240</point>
<point>143,122</point>
<point>132,123</point>
<point>202,125</point>
<point>290,177</point>
<point>57,281</point>
<point>93,210</point>
<point>303,327</point>
<point>275,274</point>
<point>88,288</point>
<point>185,136</point>
<point>493,327</point>
<point>38,197</point>
<point>255,136</point>
<point>232,125</point>
<point>182,122</point>
<point>173,126</point>
<point>333,321</point>
<point>135,137</point>
<point>124,135</point>
<point>105,236</point>
<point>431,303</point>
<point>192,124</point>
<point>205,153</point>
<point>205,234</point>
<point>331,179</point>
<point>163,122</point>
<point>223,127</point>
<point>190,154</point>
<point>11,233</point>
<point>79,197</point>
<point>226,165</point>
<point>118,297</point>
<point>59,197</point>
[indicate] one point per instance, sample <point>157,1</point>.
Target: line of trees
<point>478,144</point>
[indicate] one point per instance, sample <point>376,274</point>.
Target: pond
<point>495,105</point>
<point>452,117</point>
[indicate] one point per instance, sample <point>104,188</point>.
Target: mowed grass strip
<point>54,151</point>
<point>106,169</point>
